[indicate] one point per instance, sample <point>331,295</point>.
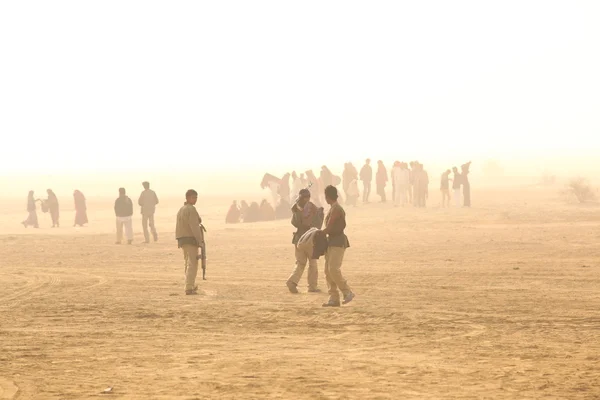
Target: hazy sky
<point>113,85</point>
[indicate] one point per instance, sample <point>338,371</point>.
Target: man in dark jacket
<point>124,213</point>
<point>305,215</point>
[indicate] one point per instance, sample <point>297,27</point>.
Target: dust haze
<point>460,261</point>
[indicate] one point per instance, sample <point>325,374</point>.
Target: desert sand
<point>498,301</point>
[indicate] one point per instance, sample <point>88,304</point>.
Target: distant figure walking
<point>366,176</point>
<point>124,214</point>
<point>80,209</point>
<point>456,183</point>
<point>445,188</point>
<point>52,203</point>
<point>32,219</point>
<point>466,184</point>
<point>148,201</point>
<point>381,180</point>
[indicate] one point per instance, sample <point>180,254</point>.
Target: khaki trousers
<point>333,274</point>
<point>302,258</point>
<point>149,219</point>
<point>190,256</point>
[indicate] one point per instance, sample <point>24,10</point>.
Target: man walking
<point>335,223</point>
<point>124,213</point>
<point>366,175</point>
<point>148,201</point>
<point>190,236</point>
<point>305,217</point>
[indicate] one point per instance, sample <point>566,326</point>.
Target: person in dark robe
<point>466,185</point>
<point>244,207</point>
<point>267,212</point>
<point>80,209</point>
<point>233,215</point>
<point>52,202</point>
<point>253,213</point>
<point>284,188</point>
<point>381,180</point>
<point>32,219</point>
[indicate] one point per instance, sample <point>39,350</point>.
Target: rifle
<point>298,195</point>
<point>202,256</point>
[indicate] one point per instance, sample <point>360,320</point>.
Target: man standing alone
<point>366,175</point>
<point>190,236</point>
<point>335,223</point>
<point>124,213</point>
<point>148,201</point>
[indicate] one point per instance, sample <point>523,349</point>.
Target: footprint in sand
<point>8,389</point>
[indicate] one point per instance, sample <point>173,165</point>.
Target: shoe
<point>348,298</point>
<point>292,287</point>
<point>117,242</point>
<point>146,241</point>
<point>331,303</point>
<point>129,241</point>
<point>156,238</point>
<point>192,291</point>
<point>314,290</point>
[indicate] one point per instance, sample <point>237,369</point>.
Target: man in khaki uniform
<point>335,223</point>
<point>305,215</point>
<point>190,236</point>
<point>148,201</point>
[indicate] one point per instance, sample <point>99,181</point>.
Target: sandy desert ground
<point>494,302</point>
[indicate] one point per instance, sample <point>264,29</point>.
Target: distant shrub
<point>580,189</point>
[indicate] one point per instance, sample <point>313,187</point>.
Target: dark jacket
<point>311,217</point>
<point>123,207</point>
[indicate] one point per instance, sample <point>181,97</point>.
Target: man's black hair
<point>191,192</point>
<point>331,192</point>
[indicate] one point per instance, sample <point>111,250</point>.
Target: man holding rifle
<point>190,238</point>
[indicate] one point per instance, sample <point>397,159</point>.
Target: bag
<point>45,207</point>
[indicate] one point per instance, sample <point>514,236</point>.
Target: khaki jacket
<point>148,201</point>
<point>188,224</point>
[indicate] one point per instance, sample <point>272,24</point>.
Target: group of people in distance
<point>147,201</point>
<point>123,212</point>
<point>410,187</point>
<point>50,205</point>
